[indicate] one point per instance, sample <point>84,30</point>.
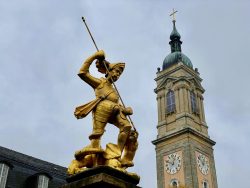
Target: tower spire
<point>175,37</point>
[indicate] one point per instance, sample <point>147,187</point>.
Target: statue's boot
<point>123,136</point>
<point>130,150</point>
<point>127,164</point>
<point>93,148</point>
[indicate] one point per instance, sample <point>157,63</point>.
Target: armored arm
<point>84,70</point>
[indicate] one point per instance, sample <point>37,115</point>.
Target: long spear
<point>108,72</point>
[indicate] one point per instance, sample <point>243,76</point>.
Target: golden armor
<point>106,108</point>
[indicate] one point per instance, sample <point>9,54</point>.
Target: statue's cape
<point>83,110</point>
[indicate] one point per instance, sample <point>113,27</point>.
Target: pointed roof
<point>176,55</point>
<point>175,34</point>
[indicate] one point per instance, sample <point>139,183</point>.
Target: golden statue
<point>106,108</point>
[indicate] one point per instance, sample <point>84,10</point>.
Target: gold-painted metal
<point>173,14</point>
<point>104,69</point>
<point>106,108</point>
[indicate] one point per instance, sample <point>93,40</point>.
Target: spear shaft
<point>108,72</point>
<point>90,34</point>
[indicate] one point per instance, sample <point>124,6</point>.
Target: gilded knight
<point>105,108</point>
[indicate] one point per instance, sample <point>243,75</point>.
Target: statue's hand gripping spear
<point>105,65</point>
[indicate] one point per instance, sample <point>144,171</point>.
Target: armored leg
<point>123,136</point>
<point>98,130</point>
<point>124,126</point>
<point>130,149</point>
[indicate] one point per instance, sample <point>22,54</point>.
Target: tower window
<point>174,183</point>
<point>43,181</point>
<point>193,102</point>
<point>170,102</point>
<point>4,169</point>
<point>205,184</point>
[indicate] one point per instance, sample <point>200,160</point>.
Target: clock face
<point>173,163</point>
<point>203,164</point>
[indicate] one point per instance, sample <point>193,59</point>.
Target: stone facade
<point>183,131</point>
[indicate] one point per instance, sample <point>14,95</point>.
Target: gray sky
<point>43,44</point>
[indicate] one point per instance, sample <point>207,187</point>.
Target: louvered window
<point>4,169</point>
<point>170,102</point>
<point>193,102</point>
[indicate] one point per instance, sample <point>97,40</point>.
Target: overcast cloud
<point>43,44</point>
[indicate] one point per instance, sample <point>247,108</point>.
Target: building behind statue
<point>184,149</point>
<point>18,170</point>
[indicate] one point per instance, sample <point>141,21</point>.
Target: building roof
<point>11,156</point>
<point>176,55</point>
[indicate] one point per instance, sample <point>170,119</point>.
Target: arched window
<point>170,102</point>
<point>204,184</point>
<point>43,181</point>
<point>174,183</point>
<point>4,169</point>
<point>193,102</point>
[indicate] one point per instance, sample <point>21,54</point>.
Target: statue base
<point>102,177</point>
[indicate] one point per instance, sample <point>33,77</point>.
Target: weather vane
<point>173,14</point>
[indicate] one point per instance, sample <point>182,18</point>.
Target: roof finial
<point>175,42</point>
<point>173,14</point>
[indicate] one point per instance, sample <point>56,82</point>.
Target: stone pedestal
<point>101,177</point>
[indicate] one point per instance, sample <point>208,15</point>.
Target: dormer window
<point>170,102</point>
<point>43,181</point>
<point>194,106</point>
<point>4,169</point>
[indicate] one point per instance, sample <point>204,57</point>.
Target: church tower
<point>184,150</point>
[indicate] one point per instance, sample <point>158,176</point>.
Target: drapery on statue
<point>106,108</point>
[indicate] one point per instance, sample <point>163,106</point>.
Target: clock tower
<point>184,150</point>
